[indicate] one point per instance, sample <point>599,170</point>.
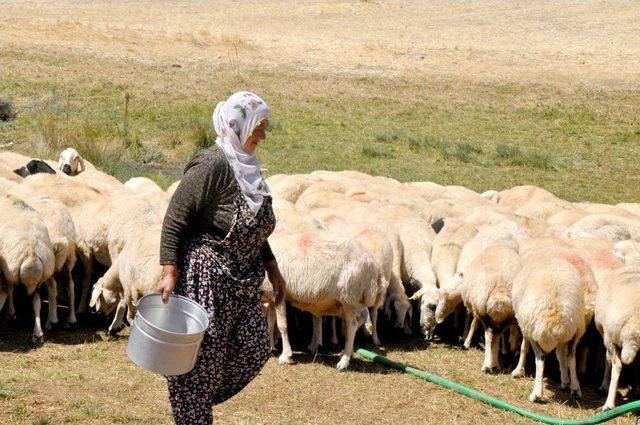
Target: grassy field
<point>479,93</point>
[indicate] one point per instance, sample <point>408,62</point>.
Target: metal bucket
<point>165,338</point>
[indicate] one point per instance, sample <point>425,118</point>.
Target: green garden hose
<point>469,392</point>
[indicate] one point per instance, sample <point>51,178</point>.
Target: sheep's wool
<point>234,120</point>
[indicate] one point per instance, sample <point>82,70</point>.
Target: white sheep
<point>62,236</point>
<point>133,274</point>
<point>553,296</point>
<point>172,188</point>
<point>150,191</point>
<point>610,227</point>
<point>26,257</point>
<point>71,163</point>
<point>328,275</point>
<point>617,320</point>
<point>487,293</point>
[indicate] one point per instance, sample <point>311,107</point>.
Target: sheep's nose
<point>66,168</point>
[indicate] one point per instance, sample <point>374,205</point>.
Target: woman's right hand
<point>166,285</point>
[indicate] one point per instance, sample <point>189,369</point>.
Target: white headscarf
<point>234,120</point>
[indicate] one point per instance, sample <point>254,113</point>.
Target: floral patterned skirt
<point>235,347</point>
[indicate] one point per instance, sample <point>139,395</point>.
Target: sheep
<point>290,187</point>
<point>542,210</point>
<point>26,256</point>
<point>610,227</point>
<point>70,192</point>
<point>553,297</point>
<point>400,223</point>
<point>329,275</point>
<point>133,274</point>
<point>451,293</point>
<point>150,191</point>
<point>518,196</point>
<point>71,163</point>
<point>384,249</point>
<point>487,292</point>
<point>617,320</point>
<point>103,226</point>
<point>172,188</point>
<point>594,208</point>
<point>62,236</point>
<point>633,208</point>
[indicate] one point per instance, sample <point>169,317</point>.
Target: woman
<point>214,250</point>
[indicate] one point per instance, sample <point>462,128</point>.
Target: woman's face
<point>259,134</point>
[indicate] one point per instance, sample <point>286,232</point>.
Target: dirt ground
<point>563,42</point>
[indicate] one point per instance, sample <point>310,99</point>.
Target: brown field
<point>561,78</point>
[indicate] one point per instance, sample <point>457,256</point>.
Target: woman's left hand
<point>276,279</point>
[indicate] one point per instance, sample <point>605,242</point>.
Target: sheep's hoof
<point>607,407</point>
<point>602,390</point>
<point>37,339</point>
<point>342,365</point>
<point>12,317</point>
<point>70,326</point>
<point>517,373</point>
<point>114,331</point>
<point>313,349</point>
<point>376,341</point>
<point>284,360</point>
<point>489,370</point>
<point>565,387</point>
<point>534,398</point>
<point>576,394</point>
<point>50,325</point>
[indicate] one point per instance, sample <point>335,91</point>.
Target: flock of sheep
<point>533,269</point>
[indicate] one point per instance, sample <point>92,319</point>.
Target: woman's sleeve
<point>265,252</point>
<point>195,191</point>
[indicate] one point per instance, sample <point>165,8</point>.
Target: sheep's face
<point>428,307</point>
<point>445,305</point>
<point>103,299</point>
<point>70,162</point>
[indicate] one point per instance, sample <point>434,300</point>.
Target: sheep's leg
<point>351,324</point>
<point>131,312</point>
<point>616,367</point>
<point>271,325</point>
<point>334,331</point>
<point>3,298</point>
<point>604,386</point>
<point>71,291</point>
<point>514,335</point>
<point>518,372</point>
<point>38,336</point>
<point>571,359</point>
<point>470,331</point>
<point>536,394</point>
<point>52,293</point>
<point>116,325</point>
<point>583,359</point>
<point>87,267</point>
<point>468,320</point>
<point>490,350</point>
<point>561,355</point>
<point>11,308</point>
<point>373,314</point>
<point>316,339</point>
<point>281,320</point>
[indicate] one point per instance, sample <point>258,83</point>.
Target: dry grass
<point>86,378</point>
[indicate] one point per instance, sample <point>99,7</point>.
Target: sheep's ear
<point>81,163</point>
<point>95,294</point>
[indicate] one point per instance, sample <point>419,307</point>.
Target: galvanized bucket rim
<point>206,315</point>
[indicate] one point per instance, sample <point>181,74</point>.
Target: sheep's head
<point>104,299</point>
<point>628,251</point>
<point>70,162</point>
<point>428,297</point>
<point>448,298</point>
